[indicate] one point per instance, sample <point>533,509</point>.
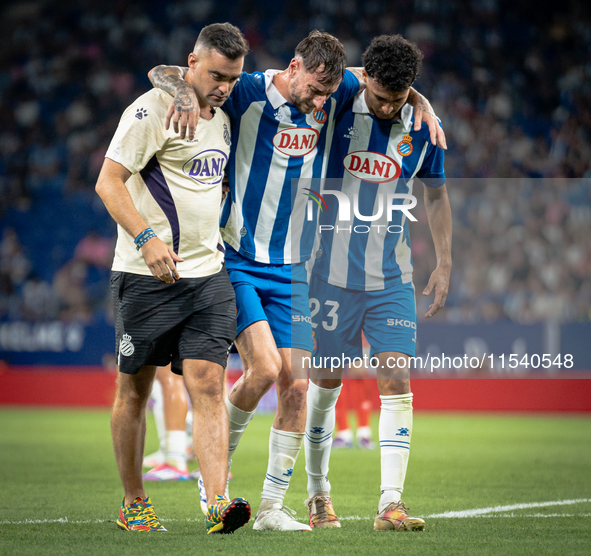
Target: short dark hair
<point>320,48</point>
<point>393,62</point>
<point>226,38</point>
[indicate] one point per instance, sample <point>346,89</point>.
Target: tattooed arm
<point>423,111</point>
<point>184,108</point>
<point>358,73</point>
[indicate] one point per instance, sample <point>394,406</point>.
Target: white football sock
<point>395,434</point>
<point>176,449</point>
<point>189,423</point>
<point>238,421</point>
<point>158,410</point>
<point>346,435</point>
<point>363,432</point>
<point>284,448</point>
<point>320,421</point>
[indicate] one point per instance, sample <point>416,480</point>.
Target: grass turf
<point>59,465</point>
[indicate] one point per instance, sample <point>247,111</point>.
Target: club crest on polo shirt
<point>207,167</point>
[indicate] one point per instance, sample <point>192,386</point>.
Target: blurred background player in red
<point>355,396</point>
<point>173,425</point>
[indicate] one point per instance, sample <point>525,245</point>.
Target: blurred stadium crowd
<point>510,82</point>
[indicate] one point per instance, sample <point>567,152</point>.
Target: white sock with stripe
<point>395,435</point>
<point>284,448</point>
<point>320,422</point>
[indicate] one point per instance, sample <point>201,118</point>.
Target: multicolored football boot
<point>394,517</point>
<point>138,516</point>
<point>225,516</point>
<point>321,512</point>
<point>203,494</point>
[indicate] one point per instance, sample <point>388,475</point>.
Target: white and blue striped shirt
<point>272,143</point>
<point>370,159</point>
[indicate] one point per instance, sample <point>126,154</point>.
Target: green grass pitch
<point>60,491</point>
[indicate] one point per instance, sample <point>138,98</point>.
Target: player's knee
<point>266,369</point>
<point>131,400</point>
<point>204,380</point>
<point>212,391</point>
<point>131,391</point>
<point>294,394</point>
<point>393,387</point>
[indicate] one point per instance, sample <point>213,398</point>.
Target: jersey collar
<point>275,97</point>
<point>360,107</point>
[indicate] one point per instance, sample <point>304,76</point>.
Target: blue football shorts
<point>388,318</point>
<point>277,293</point>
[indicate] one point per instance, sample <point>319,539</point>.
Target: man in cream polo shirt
<point>173,300</point>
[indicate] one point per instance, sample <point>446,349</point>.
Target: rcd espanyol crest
<point>126,348</point>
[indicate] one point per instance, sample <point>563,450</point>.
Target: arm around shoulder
<point>184,109</point>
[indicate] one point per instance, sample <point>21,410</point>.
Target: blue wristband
<point>144,239</point>
<point>141,235</point>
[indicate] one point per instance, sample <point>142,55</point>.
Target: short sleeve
<point>140,133</point>
<point>432,172</point>
<point>347,90</point>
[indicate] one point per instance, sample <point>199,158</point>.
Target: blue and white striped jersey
<point>370,159</point>
<point>272,143</point>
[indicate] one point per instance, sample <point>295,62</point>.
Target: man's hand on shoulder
<point>160,259</point>
<point>358,73</point>
<point>424,113</point>
<point>184,109</point>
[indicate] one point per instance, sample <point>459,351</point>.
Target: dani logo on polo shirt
<point>207,167</point>
<point>296,141</point>
<point>370,166</point>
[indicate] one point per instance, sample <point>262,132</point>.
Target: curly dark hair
<point>320,48</point>
<point>393,61</point>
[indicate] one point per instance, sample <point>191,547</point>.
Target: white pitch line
<point>480,512</point>
<point>493,509</point>
<point>535,515</point>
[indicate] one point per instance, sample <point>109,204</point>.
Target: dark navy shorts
<point>159,323</point>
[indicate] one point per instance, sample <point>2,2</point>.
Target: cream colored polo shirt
<point>176,185</point>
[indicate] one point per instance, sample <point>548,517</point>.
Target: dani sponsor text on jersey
<point>272,144</point>
<point>370,158</point>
